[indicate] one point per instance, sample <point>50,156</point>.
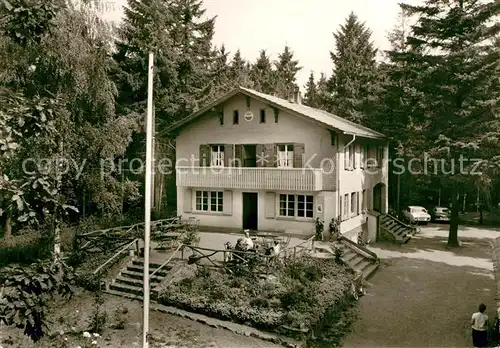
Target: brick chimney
<point>297,98</point>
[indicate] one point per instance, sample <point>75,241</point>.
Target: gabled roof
<point>327,119</point>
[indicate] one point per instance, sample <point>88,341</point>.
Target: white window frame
<point>305,209</point>
<point>285,157</point>
<point>291,207</point>
<point>352,156</point>
<point>205,201</point>
<point>341,207</point>
<point>217,155</point>
<point>289,201</point>
<point>346,207</point>
<point>353,204</point>
<point>219,201</point>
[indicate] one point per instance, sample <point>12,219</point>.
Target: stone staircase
<point>393,229</point>
<point>355,256</point>
<point>129,283</point>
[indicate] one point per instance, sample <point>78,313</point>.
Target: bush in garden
<point>25,292</point>
<point>98,318</point>
<point>298,295</point>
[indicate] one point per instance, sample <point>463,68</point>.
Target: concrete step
<point>323,255</point>
<point>362,265</point>
<point>133,282</point>
<point>124,288</point>
<point>356,261</point>
<point>125,295</point>
<point>152,264</point>
<point>349,255</point>
<point>368,271</point>
<point>139,269</point>
<point>140,276</point>
<point>129,289</point>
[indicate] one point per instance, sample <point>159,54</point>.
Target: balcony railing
<point>294,179</point>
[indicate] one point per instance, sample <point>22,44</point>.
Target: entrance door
<point>377,198</point>
<point>250,210</point>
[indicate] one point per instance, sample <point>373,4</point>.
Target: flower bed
<point>297,298</point>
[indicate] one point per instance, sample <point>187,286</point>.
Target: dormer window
<point>236,117</point>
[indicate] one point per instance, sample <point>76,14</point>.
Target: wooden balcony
<point>293,179</point>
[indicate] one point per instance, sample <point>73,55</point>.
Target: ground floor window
<point>296,205</point>
<point>216,203</point>
<point>305,206</point>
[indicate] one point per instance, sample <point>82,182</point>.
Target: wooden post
<point>137,247</point>
<point>182,253</point>
<point>294,254</point>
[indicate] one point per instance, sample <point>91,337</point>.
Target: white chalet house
<point>254,161</point>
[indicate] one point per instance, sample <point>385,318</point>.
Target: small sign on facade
<point>319,208</point>
<point>248,116</point>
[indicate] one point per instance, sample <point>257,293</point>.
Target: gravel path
<point>423,294</point>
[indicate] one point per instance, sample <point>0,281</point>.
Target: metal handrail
<point>165,263</point>
<point>359,247</point>
<point>399,221</point>
<point>129,227</point>
<point>311,239</point>
<point>115,255</point>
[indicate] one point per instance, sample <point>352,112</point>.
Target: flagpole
<point>147,212</point>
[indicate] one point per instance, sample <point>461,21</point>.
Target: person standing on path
<point>479,324</point>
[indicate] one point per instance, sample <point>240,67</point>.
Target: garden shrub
<point>25,249</point>
<point>297,296</point>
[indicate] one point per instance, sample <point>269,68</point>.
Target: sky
<point>306,26</point>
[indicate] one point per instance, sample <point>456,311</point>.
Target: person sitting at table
<point>248,241</point>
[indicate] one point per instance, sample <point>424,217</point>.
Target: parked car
<point>440,214</point>
<point>416,214</point>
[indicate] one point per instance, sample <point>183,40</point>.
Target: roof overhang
<point>179,124</point>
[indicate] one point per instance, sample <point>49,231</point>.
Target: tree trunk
<point>453,235</point>
<point>8,227</point>
<point>480,214</point>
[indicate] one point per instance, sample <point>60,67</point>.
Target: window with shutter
<point>341,208</point>
<point>351,156</point>
<point>238,156</point>
<point>205,151</point>
<point>228,202</point>
<point>187,200</point>
<point>270,155</point>
<point>270,205</point>
<point>298,155</point>
<point>353,203</point>
<point>346,206</point>
<point>285,156</point>
<point>228,155</point>
<point>217,156</point>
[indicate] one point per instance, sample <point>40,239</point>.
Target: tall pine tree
<point>286,72</point>
<point>311,95</point>
<point>240,71</point>
<point>262,74</point>
<point>354,70</point>
<point>181,39</point>
<point>455,89</point>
